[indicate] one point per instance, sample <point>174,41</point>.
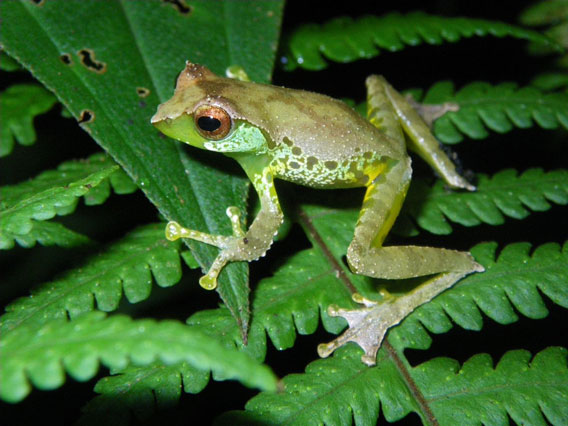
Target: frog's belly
<point>351,173</point>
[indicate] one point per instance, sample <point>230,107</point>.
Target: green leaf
<point>345,39</point>
<point>128,266</point>
<point>504,194</point>
<point>499,108</point>
<point>20,104</point>
<point>339,390</point>
<point>524,390</point>
<point>7,63</point>
<point>56,192</point>
<point>545,12</point>
<point>51,234</point>
<point>140,391</point>
<point>77,347</point>
<point>301,290</point>
<point>551,81</point>
<point>117,73</point>
<point>512,283</point>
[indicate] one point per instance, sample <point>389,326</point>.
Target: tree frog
<point>314,140</point>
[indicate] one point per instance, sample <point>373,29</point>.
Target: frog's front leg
<point>241,246</point>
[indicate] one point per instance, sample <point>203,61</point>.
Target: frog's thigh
<point>420,138</point>
<point>367,256</point>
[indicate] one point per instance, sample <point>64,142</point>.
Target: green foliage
<point>552,13</point>
<point>499,108</point>
<point>505,194</point>
<point>142,390</point>
<point>111,77</point>
<point>339,390</point>
<point>127,266</point>
<point>20,104</point>
<point>56,192</point>
<point>41,355</point>
<point>7,63</point>
<point>346,40</point>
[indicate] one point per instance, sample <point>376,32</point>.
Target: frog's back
<point>305,130</point>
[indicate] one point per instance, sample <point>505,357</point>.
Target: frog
<point>317,141</point>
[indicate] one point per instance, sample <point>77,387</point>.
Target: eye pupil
<point>208,124</point>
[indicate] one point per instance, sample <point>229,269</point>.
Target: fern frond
<point>127,266</point>
<point>504,194</point>
<point>550,12</point>
<point>56,192</point>
<point>140,391</point>
<point>42,355</point>
<point>340,391</point>
<point>551,81</point>
<point>529,391</point>
<point>545,12</point>
<point>303,289</point>
<point>512,282</point>
<point>51,234</point>
<point>19,104</point>
<point>499,108</point>
<point>7,63</point>
<point>345,40</point>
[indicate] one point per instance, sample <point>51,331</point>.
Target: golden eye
<point>212,122</point>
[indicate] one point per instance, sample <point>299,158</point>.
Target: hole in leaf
<point>180,5</point>
<point>66,59</point>
<point>89,61</point>
<point>142,91</point>
<point>38,2</point>
<point>86,116</point>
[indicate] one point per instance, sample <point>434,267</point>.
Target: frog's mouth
<point>182,128</point>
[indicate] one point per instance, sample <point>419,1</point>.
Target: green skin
<point>316,141</point>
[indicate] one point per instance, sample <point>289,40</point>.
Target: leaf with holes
<point>113,76</point>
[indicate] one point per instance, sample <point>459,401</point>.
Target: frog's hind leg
<point>384,197</point>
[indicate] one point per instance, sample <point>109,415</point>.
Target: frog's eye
<point>212,122</point>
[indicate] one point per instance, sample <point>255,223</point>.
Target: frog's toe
<point>173,231</point>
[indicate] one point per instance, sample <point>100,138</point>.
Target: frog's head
<point>201,114</point>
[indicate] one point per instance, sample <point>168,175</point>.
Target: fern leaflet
<point>513,282</point>
<point>127,266</point>
<point>345,40</point>
<point>338,391</point>
<point>7,63</point>
<point>42,355</point>
<point>19,104</point>
<point>56,192</point>
<point>499,108</point>
<point>51,234</point>
<point>139,391</point>
<point>505,193</point>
